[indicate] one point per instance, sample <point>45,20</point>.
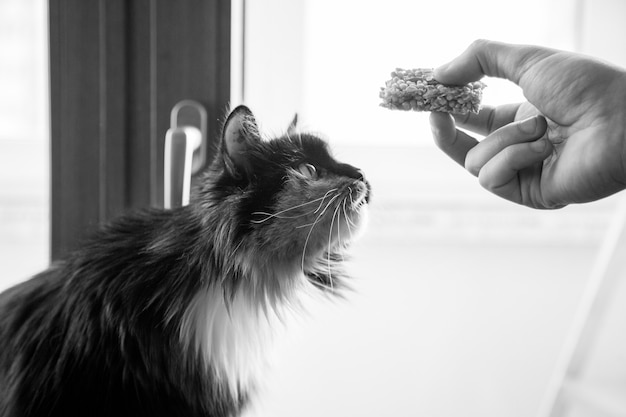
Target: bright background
<point>462,301</point>
<point>24,140</point>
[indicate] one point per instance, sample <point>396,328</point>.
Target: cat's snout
<point>350,171</point>
<point>363,191</point>
<point>367,188</point>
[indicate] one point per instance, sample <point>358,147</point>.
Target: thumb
<point>495,59</point>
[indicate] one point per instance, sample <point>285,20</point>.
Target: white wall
<point>603,29</point>
<point>463,300</point>
<point>274,61</point>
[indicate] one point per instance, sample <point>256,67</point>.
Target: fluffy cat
<point>164,312</point>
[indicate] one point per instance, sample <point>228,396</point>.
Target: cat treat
<point>417,89</point>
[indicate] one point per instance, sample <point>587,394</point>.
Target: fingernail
<point>529,125</point>
<point>539,145</point>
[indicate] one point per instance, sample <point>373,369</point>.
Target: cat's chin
<point>358,222</point>
<point>345,231</point>
<point>358,216</point>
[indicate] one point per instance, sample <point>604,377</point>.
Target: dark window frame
<point>117,67</point>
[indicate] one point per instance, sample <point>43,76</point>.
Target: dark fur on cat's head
<point>165,312</point>
<point>291,206</point>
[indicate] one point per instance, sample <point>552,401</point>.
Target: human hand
<point>567,144</point>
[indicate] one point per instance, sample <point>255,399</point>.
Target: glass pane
<point>24,139</point>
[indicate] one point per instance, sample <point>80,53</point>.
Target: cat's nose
<point>356,173</point>
<point>351,172</point>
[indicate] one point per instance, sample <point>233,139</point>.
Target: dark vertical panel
<point>75,113</point>
<point>219,95</point>
<point>189,58</point>
<point>114,110</point>
<point>87,117</point>
<point>56,228</point>
<point>181,50</point>
<point>141,149</point>
<point>117,67</point>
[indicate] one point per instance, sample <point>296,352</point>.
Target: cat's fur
<point>164,312</point>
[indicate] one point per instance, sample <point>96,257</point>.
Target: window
<point>463,300</point>
<point>116,72</point>
<point>24,140</point>
<point>108,74</point>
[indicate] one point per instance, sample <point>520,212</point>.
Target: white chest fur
<point>231,338</point>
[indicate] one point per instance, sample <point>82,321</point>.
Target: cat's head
<point>283,203</point>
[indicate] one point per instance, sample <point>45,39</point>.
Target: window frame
<point>117,67</point>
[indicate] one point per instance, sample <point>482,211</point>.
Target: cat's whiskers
<point>349,222</point>
<point>361,199</point>
<point>351,199</point>
<point>321,285</point>
<point>312,224</point>
<point>338,214</point>
<point>325,195</point>
<point>278,214</point>
<point>236,249</point>
<point>330,236</point>
<point>317,219</point>
<point>352,204</point>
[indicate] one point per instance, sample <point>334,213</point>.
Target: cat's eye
<point>308,171</point>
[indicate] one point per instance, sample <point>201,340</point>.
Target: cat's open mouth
<point>344,221</point>
<point>348,216</point>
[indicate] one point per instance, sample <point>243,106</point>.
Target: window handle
<point>185,151</point>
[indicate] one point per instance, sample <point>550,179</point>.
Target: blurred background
<point>463,302</point>
<point>24,139</point>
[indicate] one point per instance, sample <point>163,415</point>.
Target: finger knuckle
<point>478,44</point>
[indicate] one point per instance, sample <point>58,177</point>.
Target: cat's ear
<point>239,136</point>
<point>293,125</point>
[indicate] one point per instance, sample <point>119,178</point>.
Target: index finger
<point>455,143</point>
<point>495,59</point>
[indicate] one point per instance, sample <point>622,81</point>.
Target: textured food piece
<point>417,89</point>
